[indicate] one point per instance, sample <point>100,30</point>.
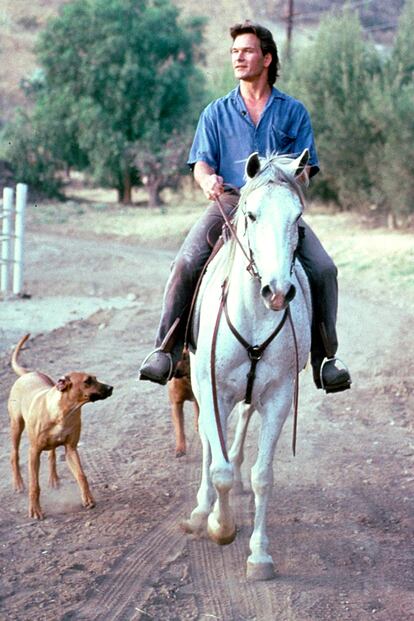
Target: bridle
<point>251,265</point>
<point>255,352</point>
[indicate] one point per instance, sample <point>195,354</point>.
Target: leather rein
<point>255,352</point>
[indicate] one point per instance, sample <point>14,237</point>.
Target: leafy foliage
<point>362,106</point>
<point>119,76</point>
<point>391,115</point>
<point>333,78</point>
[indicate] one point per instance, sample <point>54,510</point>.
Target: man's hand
<point>211,184</point>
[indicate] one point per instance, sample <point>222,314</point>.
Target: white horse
<point>252,304</point>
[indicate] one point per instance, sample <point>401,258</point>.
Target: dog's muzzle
<point>104,393</point>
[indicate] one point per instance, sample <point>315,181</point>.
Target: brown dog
<point>51,413</point>
<point>179,391</point>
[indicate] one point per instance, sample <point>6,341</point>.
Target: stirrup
<point>170,360</point>
<point>339,387</point>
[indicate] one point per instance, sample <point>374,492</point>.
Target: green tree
<point>390,111</point>
<point>333,77</point>
<point>120,78</point>
<point>402,58</point>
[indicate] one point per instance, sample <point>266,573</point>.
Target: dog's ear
<point>63,383</point>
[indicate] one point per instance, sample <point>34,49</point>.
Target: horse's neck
<point>243,293</point>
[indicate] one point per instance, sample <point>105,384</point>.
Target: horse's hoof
<point>260,571</point>
<point>220,535</point>
<point>179,453</point>
<point>196,525</point>
<point>222,540</point>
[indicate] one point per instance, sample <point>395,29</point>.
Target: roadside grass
<point>370,260</point>
<point>376,261</point>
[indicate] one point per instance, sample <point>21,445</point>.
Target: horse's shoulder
<point>212,279</point>
<point>216,269</point>
<point>304,285</point>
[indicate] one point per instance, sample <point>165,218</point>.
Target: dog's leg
<point>53,475</point>
<point>74,463</point>
<point>34,487</point>
<point>16,430</point>
<point>177,414</point>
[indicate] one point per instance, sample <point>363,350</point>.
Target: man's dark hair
<point>267,44</point>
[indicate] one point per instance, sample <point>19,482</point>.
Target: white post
<point>6,239</point>
<point>21,197</point>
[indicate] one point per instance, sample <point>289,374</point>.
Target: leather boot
<point>157,367</point>
<point>330,377</point>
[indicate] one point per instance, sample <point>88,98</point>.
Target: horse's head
<point>271,202</point>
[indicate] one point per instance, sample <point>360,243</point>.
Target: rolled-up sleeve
<point>205,143</point>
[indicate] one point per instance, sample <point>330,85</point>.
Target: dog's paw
<point>54,482</point>
<point>88,503</point>
<point>36,513</point>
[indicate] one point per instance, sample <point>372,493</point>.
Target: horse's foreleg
<point>236,453</point>
<point>260,563</point>
<point>197,522</point>
<point>221,527</point>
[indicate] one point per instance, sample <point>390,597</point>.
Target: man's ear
<point>268,58</point>
<point>63,383</point>
<point>252,165</point>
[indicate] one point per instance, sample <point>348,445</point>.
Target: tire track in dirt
<point>219,581</point>
<point>123,594</point>
<point>216,571</point>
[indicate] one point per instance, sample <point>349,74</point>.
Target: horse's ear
<point>252,165</point>
<point>302,161</point>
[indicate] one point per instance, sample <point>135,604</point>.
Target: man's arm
<point>209,182</point>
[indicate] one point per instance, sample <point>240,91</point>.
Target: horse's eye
<point>251,216</point>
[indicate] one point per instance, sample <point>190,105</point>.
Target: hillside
<point>21,22</point>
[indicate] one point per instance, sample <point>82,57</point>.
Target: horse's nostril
<point>266,291</point>
<point>291,293</point>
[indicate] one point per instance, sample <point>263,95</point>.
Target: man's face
<point>247,58</point>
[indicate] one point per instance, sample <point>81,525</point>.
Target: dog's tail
<point>17,368</point>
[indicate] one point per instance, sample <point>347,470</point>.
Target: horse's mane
<point>272,169</point>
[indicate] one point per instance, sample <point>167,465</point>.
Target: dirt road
<point>341,516</point>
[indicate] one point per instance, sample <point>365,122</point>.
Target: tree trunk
<point>126,196</point>
<point>392,221</point>
<point>153,189</point>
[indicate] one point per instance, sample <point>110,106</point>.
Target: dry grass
<point>369,259</point>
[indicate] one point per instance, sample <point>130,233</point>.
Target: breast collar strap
<point>255,352</point>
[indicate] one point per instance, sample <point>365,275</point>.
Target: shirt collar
<point>237,99</point>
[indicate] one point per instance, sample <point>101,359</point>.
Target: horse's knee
<point>262,481</point>
<point>222,477</point>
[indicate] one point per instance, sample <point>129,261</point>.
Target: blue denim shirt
<point>226,135</point>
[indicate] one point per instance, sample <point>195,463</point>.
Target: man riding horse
<point>254,117</point>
